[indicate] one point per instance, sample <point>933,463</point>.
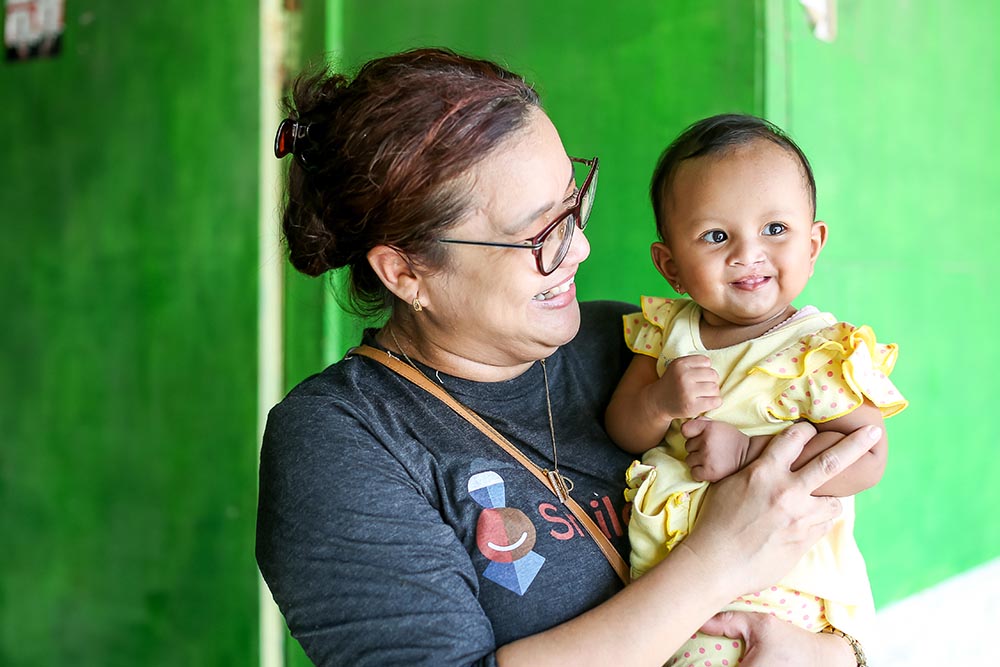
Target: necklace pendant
<point>558,485</point>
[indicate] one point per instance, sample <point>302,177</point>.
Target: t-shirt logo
<point>504,535</point>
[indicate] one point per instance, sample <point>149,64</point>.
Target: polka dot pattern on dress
<point>644,332</point>
<point>704,649</point>
<point>831,373</point>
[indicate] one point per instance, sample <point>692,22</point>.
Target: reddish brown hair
<point>386,152</point>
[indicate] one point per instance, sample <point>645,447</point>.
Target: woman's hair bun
<point>313,102</point>
<point>310,243</point>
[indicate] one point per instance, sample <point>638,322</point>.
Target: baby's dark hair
<point>712,136</point>
<point>383,158</point>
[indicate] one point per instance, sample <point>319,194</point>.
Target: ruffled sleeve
<point>644,331</point>
<point>830,373</point>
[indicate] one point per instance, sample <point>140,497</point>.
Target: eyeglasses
<point>551,245</point>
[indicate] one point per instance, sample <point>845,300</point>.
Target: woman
<point>390,530</point>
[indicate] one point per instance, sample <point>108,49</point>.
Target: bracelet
<point>859,654</point>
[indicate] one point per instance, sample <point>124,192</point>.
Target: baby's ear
<point>663,260</point>
<point>817,239</point>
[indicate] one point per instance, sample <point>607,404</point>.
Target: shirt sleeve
<point>360,563</point>
<point>644,330</point>
<point>830,373</point>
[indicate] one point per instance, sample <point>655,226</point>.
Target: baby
<point>716,375</point>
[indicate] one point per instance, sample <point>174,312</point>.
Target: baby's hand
<point>715,449</point>
<point>689,387</point>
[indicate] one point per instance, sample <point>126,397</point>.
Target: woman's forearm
<point>641,625</point>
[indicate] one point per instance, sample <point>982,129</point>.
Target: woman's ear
<point>817,239</point>
<point>395,271</point>
<point>664,262</point>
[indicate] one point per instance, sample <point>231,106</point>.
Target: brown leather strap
<point>417,378</point>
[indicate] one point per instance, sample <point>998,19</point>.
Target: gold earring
<point>416,305</point>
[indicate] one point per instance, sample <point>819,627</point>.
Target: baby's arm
<point>863,473</point>
<point>716,450</point>
<point>644,404</point>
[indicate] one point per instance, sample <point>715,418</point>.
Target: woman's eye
<point>774,228</point>
<point>714,236</point>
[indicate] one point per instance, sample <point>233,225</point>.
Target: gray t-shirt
<point>391,531</point>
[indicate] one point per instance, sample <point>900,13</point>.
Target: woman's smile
<point>556,291</point>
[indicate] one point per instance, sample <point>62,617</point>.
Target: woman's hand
<point>755,525</point>
<point>752,528</point>
<point>771,642</point>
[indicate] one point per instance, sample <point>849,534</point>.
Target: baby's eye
<point>714,236</point>
<point>774,228</point>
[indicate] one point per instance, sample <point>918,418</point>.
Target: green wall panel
<point>896,117</point>
<point>305,298</point>
<point>127,397</point>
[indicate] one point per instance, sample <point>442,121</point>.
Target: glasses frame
<point>538,240</point>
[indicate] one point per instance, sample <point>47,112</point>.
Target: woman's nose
<point>579,247</point>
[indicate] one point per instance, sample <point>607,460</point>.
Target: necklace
<point>561,485</point>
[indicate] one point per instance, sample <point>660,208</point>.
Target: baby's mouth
<point>750,282</point>
<point>555,291</point>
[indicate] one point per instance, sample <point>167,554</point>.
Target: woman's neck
<point>414,345</point>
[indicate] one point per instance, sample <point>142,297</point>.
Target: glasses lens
<point>587,203</point>
<point>556,245</point>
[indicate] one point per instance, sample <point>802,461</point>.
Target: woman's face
<point>491,306</point>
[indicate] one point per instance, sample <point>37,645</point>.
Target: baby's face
<point>741,239</point>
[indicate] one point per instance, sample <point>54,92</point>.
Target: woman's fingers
<point>769,642</point>
<point>835,460</point>
<point>735,625</point>
<point>786,446</point>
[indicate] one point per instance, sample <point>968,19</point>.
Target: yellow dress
<point>810,367</point>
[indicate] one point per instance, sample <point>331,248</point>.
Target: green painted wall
<point>127,395</point>
<point>897,116</point>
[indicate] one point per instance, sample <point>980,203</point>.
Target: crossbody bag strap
<point>417,378</point>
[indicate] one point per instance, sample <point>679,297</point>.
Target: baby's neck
<point>723,334</point>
